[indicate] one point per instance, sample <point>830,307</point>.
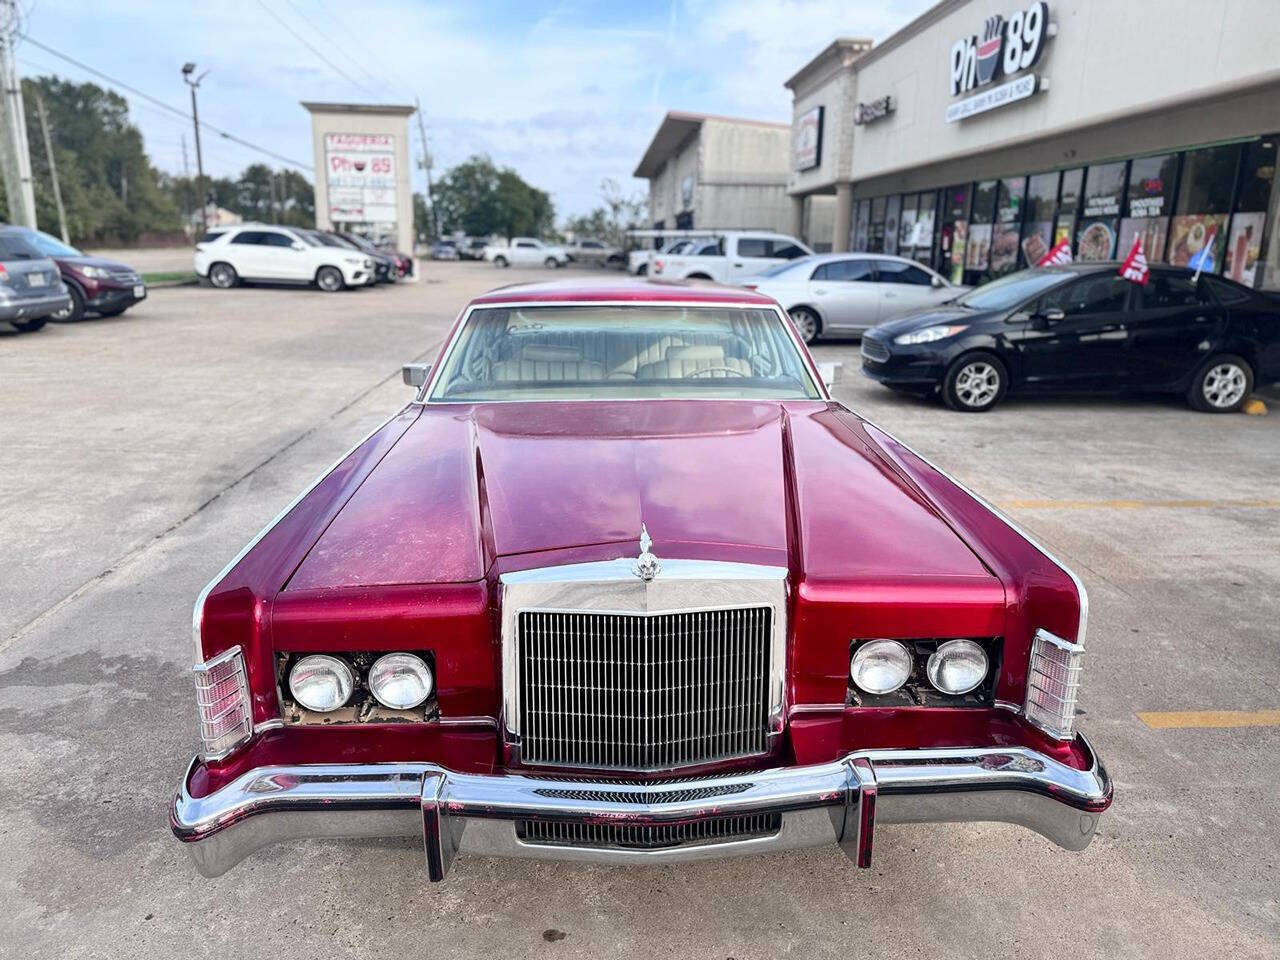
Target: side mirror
<point>937,283</point>
<point>298,245</point>
<point>416,374</point>
<point>830,373</point>
<point>1052,315</point>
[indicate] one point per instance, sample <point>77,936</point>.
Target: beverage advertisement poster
<point>979,246</point>
<point>1189,239</point>
<point>1154,231</point>
<point>1244,247</point>
<point>959,240</point>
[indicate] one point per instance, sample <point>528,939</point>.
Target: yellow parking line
<point>1139,504</point>
<point>1211,718</point>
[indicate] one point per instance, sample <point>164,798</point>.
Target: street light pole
<point>187,70</point>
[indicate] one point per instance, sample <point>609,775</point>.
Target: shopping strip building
<point>985,131</point>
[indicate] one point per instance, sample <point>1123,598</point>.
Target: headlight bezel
<point>918,690</point>
<point>930,334</point>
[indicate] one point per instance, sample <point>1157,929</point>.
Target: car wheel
<point>643,271</point>
<point>1221,385</point>
<point>500,262</point>
<point>975,383</point>
<point>30,326</point>
<point>223,276</point>
<point>807,323</point>
<point>74,310</point>
<point>114,312</point>
<point>329,279</point>
<point>551,262</point>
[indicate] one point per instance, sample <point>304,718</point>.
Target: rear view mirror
<point>416,374</point>
<point>830,373</point>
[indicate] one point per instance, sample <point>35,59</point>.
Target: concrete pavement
<point>140,453</point>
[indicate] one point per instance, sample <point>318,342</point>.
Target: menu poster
<point>1244,247</point>
<point>1004,248</point>
<point>979,246</point>
<point>1097,240</point>
<point>1190,234</point>
<point>1153,231</point>
<point>1037,241</point>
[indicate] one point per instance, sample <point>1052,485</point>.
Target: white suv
<point>280,255</point>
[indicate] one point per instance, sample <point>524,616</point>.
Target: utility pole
<point>426,165</point>
<point>187,70</point>
<point>13,137</point>
<point>53,168</point>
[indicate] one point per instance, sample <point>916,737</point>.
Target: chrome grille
<point>714,830</point>
<point>874,350</point>
<point>643,692</point>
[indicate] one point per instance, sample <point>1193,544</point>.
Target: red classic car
<point>624,583</point>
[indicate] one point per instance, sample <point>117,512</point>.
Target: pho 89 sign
<point>1005,48</point>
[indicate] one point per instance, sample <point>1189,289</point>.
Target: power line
<point>306,43</point>
<point>160,103</point>
<point>337,46</point>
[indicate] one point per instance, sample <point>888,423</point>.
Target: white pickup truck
<point>526,252</point>
<point>728,256</point>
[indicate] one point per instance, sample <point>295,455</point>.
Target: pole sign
<point>1006,48</point>
<point>807,148</point>
<point>360,170</point>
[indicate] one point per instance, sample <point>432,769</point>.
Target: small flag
<point>1135,264</point>
<point>1060,254</point>
<point>1204,256</point>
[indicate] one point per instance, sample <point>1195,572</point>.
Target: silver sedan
<point>843,294</point>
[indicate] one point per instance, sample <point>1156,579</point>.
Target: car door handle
<point>820,291</point>
<point>889,294</point>
<point>1202,319</point>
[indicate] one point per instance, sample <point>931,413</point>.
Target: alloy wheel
<point>977,384</point>
<point>1224,385</point>
<point>329,280</point>
<point>221,276</point>
<point>806,324</point>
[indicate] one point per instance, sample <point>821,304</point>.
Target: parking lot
<point>141,452</point>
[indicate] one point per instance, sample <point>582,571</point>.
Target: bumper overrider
<point>501,814</point>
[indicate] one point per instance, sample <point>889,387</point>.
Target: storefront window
<point>907,224</point>
<point>1104,187</point>
<point>978,252</point>
<point>1042,207</point>
<point>1198,232</point>
<point>861,224</point>
<point>1244,245</point>
<point>953,234</point>
<point>1068,206</point>
<point>1149,201</point>
<point>875,238</point>
<point>1008,226</point>
<point>893,211</point>
<point>923,242</point>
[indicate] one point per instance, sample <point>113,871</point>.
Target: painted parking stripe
<point>1210,718</point>
<point>1140,504</point>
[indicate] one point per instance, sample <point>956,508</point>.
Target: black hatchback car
<point>1084,328</point>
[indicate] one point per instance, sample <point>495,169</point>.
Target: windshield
<point>1007,292</point>
<point>784,267</point>
<point>52,246</point>
<point>622,352</point>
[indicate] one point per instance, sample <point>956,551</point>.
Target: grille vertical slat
<point>630,691</point>
<point>716,829</point>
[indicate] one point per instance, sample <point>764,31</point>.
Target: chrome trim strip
<point>198,609</point>
<point>808,361</point>
<point>820,803</point>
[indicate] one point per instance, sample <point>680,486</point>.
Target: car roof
<point>638,290</point>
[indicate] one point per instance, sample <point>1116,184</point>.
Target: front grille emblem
<point>646,566</point>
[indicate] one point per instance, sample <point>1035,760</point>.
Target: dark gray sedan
<point>31,288</point>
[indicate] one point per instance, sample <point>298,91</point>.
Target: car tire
<point>551,263</point>
<point>30,326</point>
<point>330,280</point>
<point>975,383</point>
<point>643,270</point>
<point>75,311</point>
<point>500,262</point>
<point>698,276</point>
<point>1221,385</point>
<point>808,324</point>
<point>223,276</point>
<point>113,312</point>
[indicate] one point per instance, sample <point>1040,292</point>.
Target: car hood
<point>795,484</point>
<point>928,317</point>
<point>93,262</point>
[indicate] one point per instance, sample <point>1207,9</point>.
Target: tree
<point>258,193</point>
<point>479,199</point>
<point>611,221</point>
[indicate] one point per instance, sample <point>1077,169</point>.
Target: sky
<point>567,93</point>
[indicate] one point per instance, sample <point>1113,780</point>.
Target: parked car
<point>843,294</point>
<point>385,268</point>
<point>401,263</point>
<point>596,649</point>
<point>1084,328</point>
<point>526,252</point>
<point>31,289</point>
<point>444,250</point>
<point>730,255</point>
<point>277,254</point>
<point>590,250</point>
<point>95,284</point>
<point>472,248</point>
<point>638,260</point>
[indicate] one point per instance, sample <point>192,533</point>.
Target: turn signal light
<point>222,694</point>
<point>1053,684</point>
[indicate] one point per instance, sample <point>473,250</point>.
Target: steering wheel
<point>725,369</point>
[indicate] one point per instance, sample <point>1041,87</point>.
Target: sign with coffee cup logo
<point>1003,49</point>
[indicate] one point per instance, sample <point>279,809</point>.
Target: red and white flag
<point>1060,254</point>
<point>1135,264</point>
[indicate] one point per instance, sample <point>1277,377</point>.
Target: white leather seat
<point>548,364</point>
<point>684,362</point>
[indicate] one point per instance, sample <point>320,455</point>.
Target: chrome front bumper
<point>838,802</point>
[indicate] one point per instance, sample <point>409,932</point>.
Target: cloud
<point>566,93</point>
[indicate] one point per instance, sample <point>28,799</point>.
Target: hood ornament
<point>646,566</point>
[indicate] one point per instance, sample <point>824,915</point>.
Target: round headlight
<point>880,666</point>
<point>321,683</point>
<point>957,666</point>
<point>400,681</point>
